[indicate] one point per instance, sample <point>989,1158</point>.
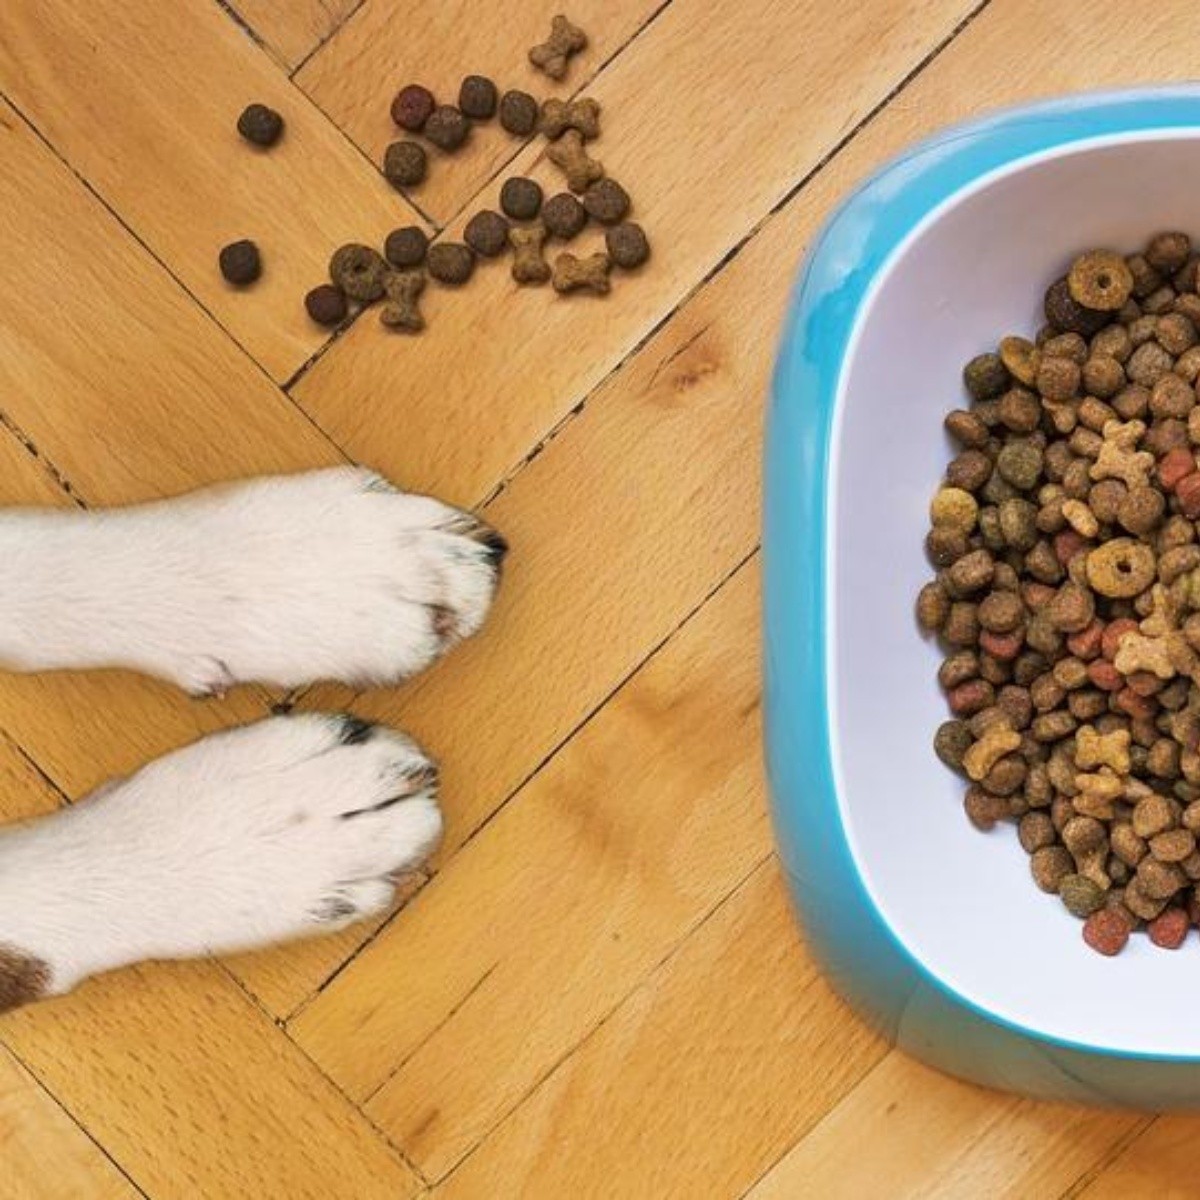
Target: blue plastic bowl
<point>932,930</point>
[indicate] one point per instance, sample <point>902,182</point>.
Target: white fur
<point>286,580</point>
<point>248,837</point>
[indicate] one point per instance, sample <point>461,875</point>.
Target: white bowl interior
<point>962,901</point>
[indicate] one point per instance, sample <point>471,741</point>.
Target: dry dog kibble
<point>412,107</point>
<point>552,56</point>
<point>450,262</point>
<point>572,274</point>
<point>570,156</point>
<point>240,262</point>
<point>326,304</point>
<point>1066,315</point>
<point>560,115</point>
<point>1050,865</point>
<point>477,98</point>
<point>1080,895</point>
<point>359,271</point>
<point>404,164</point>
<point>400,311</point>
<point>1121,568</point>
<point>518,113</point>
<point>1169,929</point>
<point>521,198</point>
<point>627,245</point>
<point>260,125</point>
<point>606,201</point>
<point>986,376</point>
<point>447,128</point>
<point>487,233</point>
<point>564,217</point>
<point>1100,280</point>
<point>529,260</point>
<point>406,247</point>
<point>1107,931</point>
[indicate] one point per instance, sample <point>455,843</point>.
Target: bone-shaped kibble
<point>560,115</point>
<point>529,262</point>
<point>403,288</point>
<point>1119,458</point>
<point>552,55</point>
<point>1094,749</point>
<point>997,741</point>
<point>1097,794</point>
<point>572,159</point>
<point>572,274</point>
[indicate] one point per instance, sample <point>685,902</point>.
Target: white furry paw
<point>283,580</point>
<point>288,827</point>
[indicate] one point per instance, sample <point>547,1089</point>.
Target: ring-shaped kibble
<point>1121,568</point>
<point>359,271</point>
<point>1100,280</point>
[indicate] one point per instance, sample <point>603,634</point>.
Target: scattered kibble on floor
<point>240,262</point>
<point>359,275</point>
<point>1067,597</point>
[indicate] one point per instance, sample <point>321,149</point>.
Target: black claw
<point>355,730</point>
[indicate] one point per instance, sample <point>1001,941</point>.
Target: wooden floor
<point>599,991</point>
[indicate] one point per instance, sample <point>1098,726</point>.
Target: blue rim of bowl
<point>869,963</point>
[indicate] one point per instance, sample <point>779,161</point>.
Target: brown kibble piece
<point>1058,378</point>
<point>572,274</point>
<point>326,304</point>
<point>627,245</point>
<point>403,290</point>
<point>564,216</point>
<point>985,376</point>
<point>606,201</point>
<point>487,233</point>
<point>1167,252</point>
<point>1067,315</point>
<point>529,262</point>
<point>260,125</point>
<point>1080,895</point>
<point>406,247</point>
<point>1021,358</point>
<point>952,740</point>
<point>359,271</point>
<point>1100,280</point>
<point>450,262</point>
<point>240,262</point>
<point>518,113</point>
<point>404,164</point>
<point>570,156</point>
<point>1121,567</point>
<point>552,56</point>
<point>1152,816</point>
<point>412,107</point>
<point>447,128</point>
<point>933,607</point>
<point>521,198</point>
<point>1050,866</point>
<point>558,116</point>
<point>477,98</point>
<point>1173,845</point>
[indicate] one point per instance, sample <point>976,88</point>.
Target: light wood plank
<point>693,1085</point>
<point>46,1155</point>
<point>600,867</point>
<point>356,74</point>
<point>1159,1165</point>
<point>463,417</point>
<point>196,1093</point>
<point>145,109</point>
<point>293,29</point>
<point>932,1136</point>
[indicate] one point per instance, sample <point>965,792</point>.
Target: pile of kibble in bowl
<point>1067,593</point>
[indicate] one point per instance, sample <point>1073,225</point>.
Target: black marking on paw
<point>496,545</point>
<point>355,730</point>
<point>23,978</point>
<point>421,780</point>
<point>334,908</point>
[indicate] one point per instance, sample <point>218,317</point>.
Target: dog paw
<point>288,827</point>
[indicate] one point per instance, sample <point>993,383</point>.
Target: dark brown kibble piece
<point>359,271</point>
<point>564,217</point>
<point>450,262</point>
<point>487,233</point>
<point>477,98</point>
<point>521,198</point>
<point>240,263</point>
<point>447,128</point>
<point>1168,252</point>
<point>412,107</point>
<point>606,201</point>
<point>986,376</point>
<point>326,304</point>
<point>405,164</point>
<point>406,247</point>
<point>519,113</point>
<point>627,245</point>
<point>260,125</point>
<point>1068,316</point>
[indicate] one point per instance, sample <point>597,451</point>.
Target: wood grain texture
<point>390,43</point>
<point>293,29</point>
<point>600,867</point>
<point>460,421</point>
<point>1159,1164</point>
<point>46,1155</point>
<point>691,1086</point>
<point>145,108</point>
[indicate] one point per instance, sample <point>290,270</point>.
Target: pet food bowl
<point>932,930</point>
